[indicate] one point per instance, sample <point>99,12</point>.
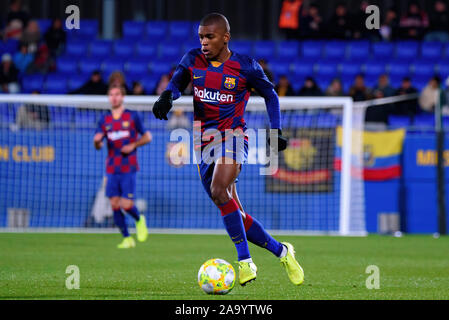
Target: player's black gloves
<point>282,141</point>
<point>163,105</point>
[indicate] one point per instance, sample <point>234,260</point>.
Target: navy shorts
<point>121,185</point>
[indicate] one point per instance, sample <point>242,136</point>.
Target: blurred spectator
<point>335,89</point>
<point>22,59</point>
<point>383,85</point>
<point>283,87</point>
<point>390,26</point>
<point>178,120</point>
<point>289,18</point>
<point>31,36</point>
<point>43,62</point>
<point>310,88</point>
<point>16,20</point>
<point>32,116</point>
<point>118,78</point>
<point>414,23</point>
<point>311,23</point>
<point>55,37</point>
<point>339,26</point>
<point>266,69</point>
<point>359,91</point>
<point>409,107</point>
<point>446,97</point>
<point>428,96</point>
<point>95,85</point>
<point>8,75</point>
<point>138,89</point>
<point>163,83</point>
<point>439,22</point>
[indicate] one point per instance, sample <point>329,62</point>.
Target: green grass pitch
<point>33,266</point>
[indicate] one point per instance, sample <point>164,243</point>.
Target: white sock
<point>284,251</point>
<point>247,260</point>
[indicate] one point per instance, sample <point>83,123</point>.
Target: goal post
<point>317,189</point>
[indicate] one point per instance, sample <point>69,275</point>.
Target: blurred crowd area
<point>336,56</point>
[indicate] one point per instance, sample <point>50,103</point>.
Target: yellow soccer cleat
<point>141,229</point>
<point>127,243</point>
<point>294,270</point>
<point>247,272</point>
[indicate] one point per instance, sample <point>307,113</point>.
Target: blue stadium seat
<point>431,50</point>
<point>194,30</point>
<point>396,121</point>
<point>335,50</point>
<point>324,80</point>
<point>33,82</point>
<point>191,44</point>
<point>76,48</point>
<point>300,120</point>
<point>76,81</point>
<point>133,30</point>
<point>256,120</point>
<point>264,49</point>
<point>156,30</point>
<point>55,84</point>
<point>88,65</point>
<point>350,68</point>
<point>371,81</point>
<point>67,64</point>
<point>423,68</point>
<point>347,81</point>
<point>170,50</point>
<point>327,68</point>
<point>44,25</point>
<point>241,46</point>
<point>374,67</point>
<point>424,120</point>
<point>288,50</point>
<point>137,65</point>
<point>406,50</point>
<point>419,82</point>
<point>112,64</point>
<point>162,66</point>
<point>147,49</point>
<point>358,50</point>
<point>382,50</point>
<point>303,67</point>
<point>88,27</point>
<point>312,50</point>
<point>60,115</point>
<point>180,30</point>
<point>123,48</point>
<point>399,68</point>
<point>101,48</point>
<point>395,81</point>
<point>296,81</point>
<point>443,68</point>
<point>149,83</point>
<point>280,67</point>
<point>326,120</point>
<point>85,118</point>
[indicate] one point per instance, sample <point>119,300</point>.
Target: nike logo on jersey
<point>197,77</point>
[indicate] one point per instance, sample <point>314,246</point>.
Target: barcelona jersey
<point>120,132</point>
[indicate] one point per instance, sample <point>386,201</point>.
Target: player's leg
<point>256,234</point>
<point>128,191</point>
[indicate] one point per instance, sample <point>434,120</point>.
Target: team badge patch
<point>229,83</point>
<point>125,124</point>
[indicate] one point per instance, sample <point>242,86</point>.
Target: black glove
<point>282,141</point>
<point>163,105</point>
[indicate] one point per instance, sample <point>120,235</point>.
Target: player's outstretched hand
<point>282,141</point>
<point>163,105</point>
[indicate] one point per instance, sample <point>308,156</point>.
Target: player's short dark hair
<point>117,86</point>
<point>216,18</point>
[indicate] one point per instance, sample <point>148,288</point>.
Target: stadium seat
<point>146,49</point>
<point>395,81</point>
<point>443,69</point>
<point>374,67</point>
<point>112,64</point>
<point>327,68</point>
<point>296,81</point>
<point>33,82</point>
<point>88,65</point>
<point>76,81</point>
<point>279,67</point>
<point>358,50</point>
<point>149,83</point>
<point>303,67</point>
<point>347,81</point>
<point>431,50</point>
<point>288,50</point>
<point>194,30</point>
<point>241,46</point>
<point>311,50</point>
<point>335,50</point>
<point>67,64</point>
<point>406,50</point>
<point>326,120</point>
<point>191,44</point>
<point>264,49</point>
<point>55,84</point>
<point>170,50</point>
<point>123,48</point>
<point>399,68</point>
<point>300,120</point>
<point>423,68</point>
<point>324,80</point>
<point>137,65</point>
<point>382,50</point>
<point>180,30</point>
<point>61,115</point>
<point>424,120</point>
<point>396,121</point>
<point>161,66</point>
<point>133,30</point>
<point>85,118</point>
<point>156,30</point>
<point>101,48</point>
<point>419,82</point>
<point>44,25</point>
<point>256,120</point>
<point>89,28</point>
<point>11,46</point>
<point>76,48</point>
<point>371,81</point>
<point>350,68</point>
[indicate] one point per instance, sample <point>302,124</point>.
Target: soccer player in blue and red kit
<point>121,128</point>
<point>222,82</point>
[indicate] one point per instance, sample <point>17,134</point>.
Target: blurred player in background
<point>222,82</point>
<point>121,128</point>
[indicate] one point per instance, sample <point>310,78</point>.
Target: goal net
<point>51,176</point>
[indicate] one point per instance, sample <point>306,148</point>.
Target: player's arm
<point>99,136</point>
<point>145,136</point>
<point>259,81</point>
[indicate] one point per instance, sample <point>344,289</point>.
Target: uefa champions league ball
<point>216,276</point>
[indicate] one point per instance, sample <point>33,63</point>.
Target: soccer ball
<point>216,276</point>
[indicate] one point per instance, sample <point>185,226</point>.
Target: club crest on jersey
<point>229,83</point>
<point>125,124</point>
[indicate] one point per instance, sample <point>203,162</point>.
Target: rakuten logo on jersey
<point>212,96</point>
<point>117,135</point>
